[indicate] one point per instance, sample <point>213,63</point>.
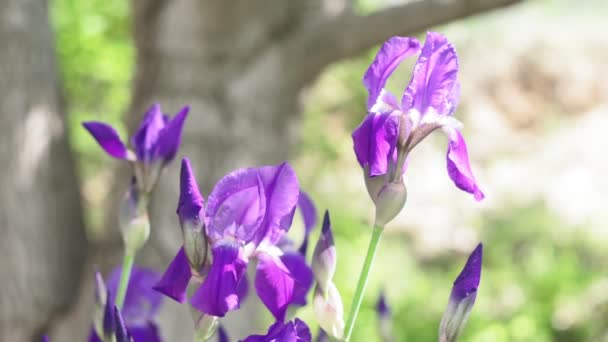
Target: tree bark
<point>43,240</point>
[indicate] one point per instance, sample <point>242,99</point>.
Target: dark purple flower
<point>45,338</point>
<point>139,310</point>
<point>247,214</point>
<point>293,331</point>
<point>384,318</point>
<point>462,298</point>
<point>392,128</point>
<point>382,308</point>
<point>155,143</point>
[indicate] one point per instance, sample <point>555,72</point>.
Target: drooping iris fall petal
<point>282,281</point>
<point>107,138</point>
<point>174,282</point>
<point>219,292</point>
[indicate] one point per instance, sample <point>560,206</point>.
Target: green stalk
<point>127,265</point>
<point>362,282</point>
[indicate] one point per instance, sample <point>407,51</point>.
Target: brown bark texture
<point>43,243</point>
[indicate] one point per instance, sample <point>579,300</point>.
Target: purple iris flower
<point>155,143</point>
<point>136,320</point>
<point>293,331</point>
<point>246,215</point>
<point>462,298</point>
<point>392,128</point>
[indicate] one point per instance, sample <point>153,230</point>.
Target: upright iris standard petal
<point>171,136</point>
<point>282,192</point>
<point>293,331</point>
<point>386,61</point>
<point>174,282</point>
<point>191,213</point>
<point>434,77</point>
<point>219,292</point>
<point>145,140</point>
<point>375,141</point>
<point>309,215</point>
<point>236,206</point>
<point>281,281</point>
<point>459,169</point>
<point>107,138</point>
<point>462,298</point>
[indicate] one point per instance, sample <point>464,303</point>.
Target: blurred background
<point>270,80</point>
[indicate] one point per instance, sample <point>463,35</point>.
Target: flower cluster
<point>391,130</point>
<point>246,217</point>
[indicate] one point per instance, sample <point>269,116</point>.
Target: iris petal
<point>219,293</point>
<point>458,165</point>
<point>282,281</point>
<point>107,138</point>
<point>433,82</point>
<point>174,282</point>
<point>375,142</point>
<point>386,61</point>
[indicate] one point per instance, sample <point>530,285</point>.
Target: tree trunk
<point>43,240</point>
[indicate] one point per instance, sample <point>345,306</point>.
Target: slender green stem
<point>127,265</point>
<point>362,282</point>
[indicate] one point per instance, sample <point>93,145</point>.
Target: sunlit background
<point>535,109</point>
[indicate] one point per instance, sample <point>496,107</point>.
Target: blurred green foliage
<point>539,282</point>
<point>96,58</point>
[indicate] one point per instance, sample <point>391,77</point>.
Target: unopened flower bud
<point>133,220</point>
<point>324,257</point>
<point>384,318</point>
<point>191,213</point>
<point>329,311</point>
<point>373,184</point>
<point>462,298</point>
<point>389,203</point>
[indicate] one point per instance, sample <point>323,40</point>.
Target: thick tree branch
<point>348,34</point>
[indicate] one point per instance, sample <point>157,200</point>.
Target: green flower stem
<point>362,282</point>
<point>127,265</point>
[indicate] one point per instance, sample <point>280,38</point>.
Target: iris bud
<point>324,256</point>
<point>329,310</point>
<point>391,199</point>
<point>133,220</point>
